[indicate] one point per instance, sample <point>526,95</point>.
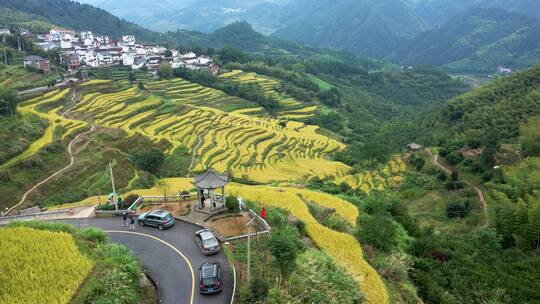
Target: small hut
<point>206,184</point>
<point>414,147</point>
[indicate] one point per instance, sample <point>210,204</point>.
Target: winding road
<point>171,257</point>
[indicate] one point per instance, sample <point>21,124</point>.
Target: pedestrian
<point>263,213</point>
<point>131,222</point>
<point>124,218</point>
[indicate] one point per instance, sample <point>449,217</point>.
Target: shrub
<point>395,267</point>
<point>285,245</point>
<point>149,160</point>
<point>231,202</point>
<point>383,233</point>
<point>418,162</point>
<point>257,292</point>
<point>318,279</point>
<point>301,227</point>
<point>454,158</point>
<point>277,217</point>
<point>94,235</point>
<point>106,207</point>
<point>458,209</point>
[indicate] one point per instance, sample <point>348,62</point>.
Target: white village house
<point>97,51</point>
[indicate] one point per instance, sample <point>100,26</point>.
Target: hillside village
<point>80,49</point>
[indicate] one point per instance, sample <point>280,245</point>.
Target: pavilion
<point>206,184</point>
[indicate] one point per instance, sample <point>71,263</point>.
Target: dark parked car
<point>158,218</point>
<point>207,241</point>
<point>210,278</point>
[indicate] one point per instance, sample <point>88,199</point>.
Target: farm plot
<point>388,176</point>
<point>197,95</point>
<point>292,108</point>
<point>55,120</point>
<point>254,148</point>
<point>40,266</point>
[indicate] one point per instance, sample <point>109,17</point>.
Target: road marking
<point>173,248</point>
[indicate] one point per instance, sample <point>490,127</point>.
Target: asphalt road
<point>171,257</point>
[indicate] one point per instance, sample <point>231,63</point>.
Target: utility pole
<point>249,250</point>
<point>115,198</point>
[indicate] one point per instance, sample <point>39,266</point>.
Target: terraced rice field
<point>55,121</point>
<point>183,91</point>
<point>255,148</point>
<point>388,176</point>
<point>293,109</point>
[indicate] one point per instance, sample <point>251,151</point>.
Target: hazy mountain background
<point>460,35</point>
<point>404,30</point>
<point>479,40</point>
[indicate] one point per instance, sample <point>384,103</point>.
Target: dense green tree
<point>285,246</point>
<point>140,85</point>
<point>383,232</point>
<point>533,231</point>
<point>530,136</point>
<point>521,225</point>
<point>165,71</point>
<point>131,77</point>
<point>8,101</point>
<point>149,160</point>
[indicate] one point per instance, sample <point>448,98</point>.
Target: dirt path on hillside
<point>71,162</point>
<point>435,160</point>
<point>200,138</point>
<point>72,99</point>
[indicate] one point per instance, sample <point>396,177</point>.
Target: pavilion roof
<point>211,180</point>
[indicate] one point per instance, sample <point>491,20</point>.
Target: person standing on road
<point>124,218</point>
<point>131,222</point>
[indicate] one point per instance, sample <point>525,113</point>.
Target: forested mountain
<point>477,41</point>
<point>438,12</point>
<point>199,15</point>
<point>498,109</point>
<point>10,18</point>
<point>79,17</point>
<point>367,27</point>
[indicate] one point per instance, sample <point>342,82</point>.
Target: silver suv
<point>207,241</point>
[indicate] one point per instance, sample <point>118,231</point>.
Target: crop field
<point>342,246</point>
<point>293,109</point>
<point>54,119</point>
<point>40,266</point>
<point>388,176</point>
<point>256,148</point>
<point>268,85</point>
<point>183,91</point>
<point>18,78</point>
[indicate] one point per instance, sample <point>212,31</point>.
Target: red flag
<point>263,213</point>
